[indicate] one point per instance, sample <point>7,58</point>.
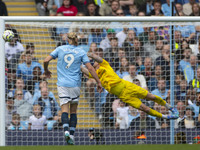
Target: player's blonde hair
<point>72,38</point>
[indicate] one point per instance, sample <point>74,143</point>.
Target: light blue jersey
<point>70,58</point>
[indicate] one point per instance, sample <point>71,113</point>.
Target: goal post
<point>2,85</point>
<point>39,31</point>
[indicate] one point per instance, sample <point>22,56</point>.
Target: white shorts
<point>68,94</point>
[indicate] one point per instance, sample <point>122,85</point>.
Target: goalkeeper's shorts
<point>131,94</point>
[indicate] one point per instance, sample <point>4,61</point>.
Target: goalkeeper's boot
<point>67,137</point>
<point>71,140</point>
<point>173,116</point>
<point>174,111</point>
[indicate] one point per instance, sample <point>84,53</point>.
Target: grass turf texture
<point>107,147</point>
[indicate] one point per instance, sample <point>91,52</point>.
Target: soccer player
<point>128,92</point>
<point>70,58</point>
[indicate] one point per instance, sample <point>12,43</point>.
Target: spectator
<point>153,81</point>
<point>3,9</point>
<point>125,5</point>
<point>138,52</point>
<point>106,42</point>
<point>37,121</point>
<point>128,43</point>
<point>166,8</point>
<point>186,61</point>
<point>187,8</point>
<point>187,32</point>
<point>24,108</point>
<point>142,122</point>
<point>181,109</point>
<point>33,85</point>
<point>19,85</point>
<point>25,70</point>
<point>149,6</point>
<point>181,94</point>
<point>115,5</point>
<point>81,6</point>
<point>96,35</point>
<point>37,94</point>
<point>191,70</point>
<point>31,47</point>
<point>162,32</point>
<point>107,113</point>
<point>148,71</point>
<point>48,104</point>
<point>53,5</point>
<point>178,44</point>
<point>13,47</point>
<point>122,116</point>
<point>161,90</point>
<point>164,61</point>
<point>67,8</point>
<point>122,36</point>
<point>133,75</point>
<point>159,47</point>
<point>105,9</point>
<point>150,46</point>
<point>92,9</point>
<point>189,121</point>
<point>15,124</point>
<point>157,9</point>
<point>11,75</point>
<point>160,122</point>
<point>112,52</point>
<point>179,8</point>
<point>144,36</point>
<point>123,71</point>
<point>58,124</point>
<point>195,10</point>
<point>41,6</point>
<point>132,114</point>
<point>10,109</point>
<point>133,10</point>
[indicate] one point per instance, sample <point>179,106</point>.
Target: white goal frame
<point>66,19</point>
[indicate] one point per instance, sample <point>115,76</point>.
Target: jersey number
<point>69,62</point>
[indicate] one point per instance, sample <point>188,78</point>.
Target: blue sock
<point>72,124</point>
<point>65,121</point>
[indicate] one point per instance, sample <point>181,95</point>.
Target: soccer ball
<point>8,35</point>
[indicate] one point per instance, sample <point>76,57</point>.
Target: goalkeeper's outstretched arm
<point>95,57</point>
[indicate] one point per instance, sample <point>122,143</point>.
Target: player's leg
<point>73,121</point>
<point>160,101</point>
<point>65,119</point>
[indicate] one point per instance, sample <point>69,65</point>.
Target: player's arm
<point>47,73</point>
<point>85,71</point>
<point>95,57</point>
<point>94,75</point>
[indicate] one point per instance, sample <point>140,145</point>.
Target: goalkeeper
<point>128,92</point>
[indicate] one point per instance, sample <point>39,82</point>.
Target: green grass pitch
<point>107,147</point>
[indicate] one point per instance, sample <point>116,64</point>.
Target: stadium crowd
<point>137,54</point>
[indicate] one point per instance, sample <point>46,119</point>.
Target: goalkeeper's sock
<point>72,123</point>
<point>168,106</point>
<point>159,100</point>
<point>155,113</point>
<point>65,121</point>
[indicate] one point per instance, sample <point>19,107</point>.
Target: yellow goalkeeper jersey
<point>109,79</point>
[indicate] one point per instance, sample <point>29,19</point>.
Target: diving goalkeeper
<point>128,92</point>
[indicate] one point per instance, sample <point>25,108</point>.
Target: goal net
<point>138,52</point>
